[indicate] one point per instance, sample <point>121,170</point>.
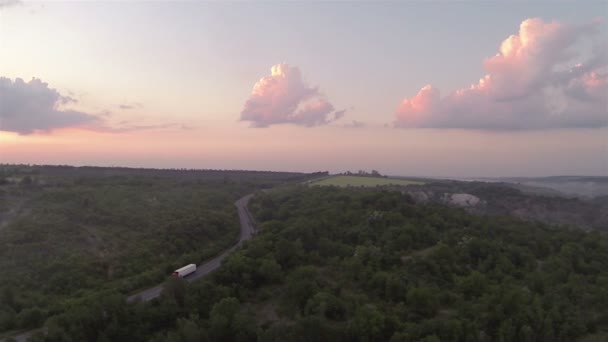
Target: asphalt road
<point>247,231</point>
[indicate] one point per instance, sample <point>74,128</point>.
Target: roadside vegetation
<point>334,264</point>
<point>67,234</point>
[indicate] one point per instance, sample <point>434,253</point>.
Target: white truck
<point>184,271</point>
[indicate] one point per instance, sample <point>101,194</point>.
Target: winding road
<point>247,231</point>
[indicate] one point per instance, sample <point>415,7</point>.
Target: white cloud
<point>284,97</point>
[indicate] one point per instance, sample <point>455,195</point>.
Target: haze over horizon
<point>415,89</point>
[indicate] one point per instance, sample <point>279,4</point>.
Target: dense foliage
<point>342,264</point>
<point>68,233</point>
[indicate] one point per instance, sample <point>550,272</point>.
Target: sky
<point>439,89</point>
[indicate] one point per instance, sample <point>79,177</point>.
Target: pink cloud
<point>284,97</point>
<point>531,83</point>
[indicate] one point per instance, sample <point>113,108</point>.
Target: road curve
<point>247,231</point>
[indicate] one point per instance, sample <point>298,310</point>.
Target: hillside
<point>571,186</point>
<point>506,199</point>
<point>70,233</point>
<point>335,264</point>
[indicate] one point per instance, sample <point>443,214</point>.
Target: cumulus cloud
<point>284,97</point>
<point>535,81</point>
<point>27,107</point>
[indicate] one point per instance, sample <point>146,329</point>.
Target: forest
<point>67,233</point>
<point>332,264</point>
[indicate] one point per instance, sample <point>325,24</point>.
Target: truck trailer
<point>184,271</point>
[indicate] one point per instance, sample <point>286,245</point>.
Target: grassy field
<point>344,181</point>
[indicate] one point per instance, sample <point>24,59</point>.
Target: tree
<point>270,270</point>
<point>313,328</point>
<point>423,301</point>
<point>526,334</point>
<point>288,253</point>
<point>473,285</point>
<point>507,331</point>
<point>30,318</point>
<point>175,289</point>
<point>55,332</point>
<point>368,324</point>
<point>189,331</point>
<point>7,297</point>
<point>326,305</point>
<point>301,285</point>
<point>547,330</point>
<point>7,319</point>
<point>222,318</point>
<point>27,180</point>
